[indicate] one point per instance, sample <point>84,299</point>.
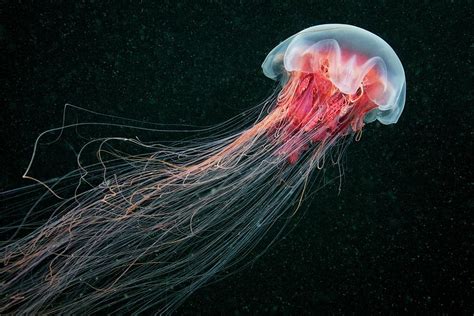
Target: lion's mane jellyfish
<point>164,222</point>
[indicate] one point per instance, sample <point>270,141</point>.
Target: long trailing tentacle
<point>161,224</point>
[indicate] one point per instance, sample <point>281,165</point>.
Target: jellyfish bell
<point>334,79</point>
<point>351,58</point>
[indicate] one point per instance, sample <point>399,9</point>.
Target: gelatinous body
<point>162,223</point>
<point>353,56</point>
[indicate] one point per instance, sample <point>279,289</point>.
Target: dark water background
<point>398,237</point>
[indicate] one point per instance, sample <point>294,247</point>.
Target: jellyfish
<point>163,222</point>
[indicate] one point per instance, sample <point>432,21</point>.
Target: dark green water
<point>399,235</point>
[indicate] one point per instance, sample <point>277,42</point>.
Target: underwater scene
<point>236,158</point>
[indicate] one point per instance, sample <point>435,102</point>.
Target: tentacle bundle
<point>164,223</point>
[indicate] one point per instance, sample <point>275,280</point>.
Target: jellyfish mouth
<point>316,111</point>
